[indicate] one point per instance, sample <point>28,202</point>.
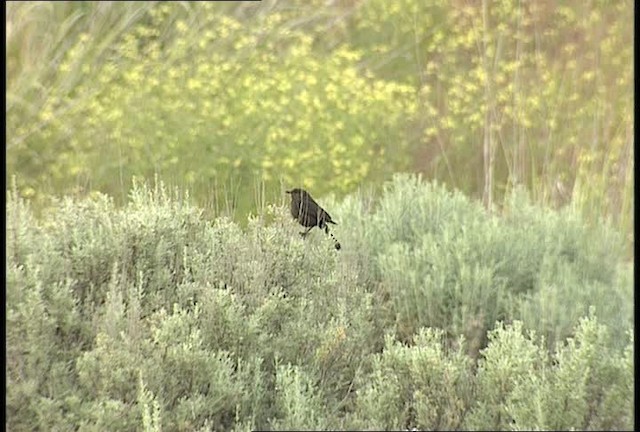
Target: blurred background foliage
<point>237,100</point>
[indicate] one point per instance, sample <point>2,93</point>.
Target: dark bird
<point>309,214</point>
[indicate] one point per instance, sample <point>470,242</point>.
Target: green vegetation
<point>205,99</point>
<point>435,315</point>
<point>495,295</point>
<point>219,97</point>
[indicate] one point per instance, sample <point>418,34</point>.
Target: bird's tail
<point>335,240</point>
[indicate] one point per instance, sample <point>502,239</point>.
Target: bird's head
<point>297,192</point>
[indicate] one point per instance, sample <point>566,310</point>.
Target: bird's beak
<point>288,192</point>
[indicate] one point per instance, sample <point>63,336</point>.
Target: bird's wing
<point>327,217</point>
<point>308,210</point>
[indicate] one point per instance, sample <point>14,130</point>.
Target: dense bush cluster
<point>434,315</point>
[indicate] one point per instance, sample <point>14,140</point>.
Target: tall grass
<point>483,97</point>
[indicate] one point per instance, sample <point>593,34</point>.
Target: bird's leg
<point>303,234</point>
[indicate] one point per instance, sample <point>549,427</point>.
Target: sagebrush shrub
<point>151,316</point>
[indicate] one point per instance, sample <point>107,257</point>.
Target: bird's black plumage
<point>309,214</point>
